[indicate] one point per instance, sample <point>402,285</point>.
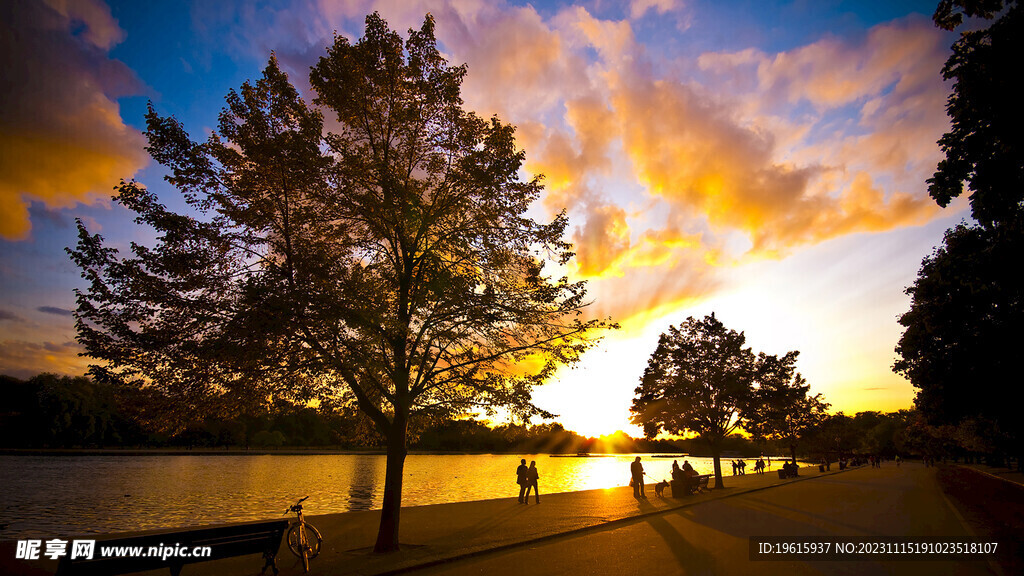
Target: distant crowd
<point>685,478</point>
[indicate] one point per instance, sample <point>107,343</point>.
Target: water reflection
<point>47,496</point>
<point>362,487</point>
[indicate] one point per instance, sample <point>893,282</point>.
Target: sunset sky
<point>762,160</point>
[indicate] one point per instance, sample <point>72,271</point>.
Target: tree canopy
<point>383,255</point>
<point>963,327</point>
<point>985,147</point>
<point>781,407</point>
<point>702,380</point>
<point>963,330</point>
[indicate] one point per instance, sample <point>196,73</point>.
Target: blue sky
<point>763,160</point>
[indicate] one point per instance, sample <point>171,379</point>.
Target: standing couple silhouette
<point>527,480</point>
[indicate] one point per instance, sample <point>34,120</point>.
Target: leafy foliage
<point>55,411</point>
<point>963,328</point>
<point>700,379</point>
<point>782,408</point>
<point>984,148</point>
<point>383,256</point>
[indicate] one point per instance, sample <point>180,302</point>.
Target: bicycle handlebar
<point>296,507</point>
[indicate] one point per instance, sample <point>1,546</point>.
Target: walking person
<point>531,483</point>
<point>636,470</point>
<point>521,478</point>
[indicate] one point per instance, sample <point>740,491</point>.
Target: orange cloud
<point>62,140</point>
<point>667,176</point>
<point>23,359</point>
<point>694,154</point>
<point>705,157</point>
<point>892,75</point>
<point>510,48</point>
<point>905,55</point>
<point>648,288</point>
<point>602,241</point>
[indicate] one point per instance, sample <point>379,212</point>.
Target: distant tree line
<point>50,411</point>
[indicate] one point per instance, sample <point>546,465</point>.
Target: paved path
<point>713,537</point>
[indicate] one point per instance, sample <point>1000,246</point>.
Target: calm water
<point>46,496</point>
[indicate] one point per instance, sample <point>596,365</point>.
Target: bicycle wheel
<point>304,541</point>
<point>297,544</point>
<point>313,541</point>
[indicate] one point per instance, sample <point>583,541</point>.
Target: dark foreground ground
<point>610,532</point>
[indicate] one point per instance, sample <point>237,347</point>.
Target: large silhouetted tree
<point>962,333</point>
<point>782,408</point>
<point>385,255</point>
<point>698,380</point>
<point>963,327</point>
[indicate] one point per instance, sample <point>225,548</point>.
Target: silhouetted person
<point>790,468</point>
<point>637,471</point>
<point>735,467</point>
<point>677,472</point>
<point>531,482</point>
<point>521,479</point>
<point>689,476</point>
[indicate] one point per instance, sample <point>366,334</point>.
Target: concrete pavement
<point>713,536</point>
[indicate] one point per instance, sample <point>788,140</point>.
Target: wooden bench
<point>789,472</point>
<point>698,484</point>
<point>223,541</point>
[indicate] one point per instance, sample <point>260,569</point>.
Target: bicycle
<point>304,539</point>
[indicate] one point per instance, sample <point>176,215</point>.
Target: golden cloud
<point>23,359</point>
<point>667,176</point>
<point>62,139</point>
<point>602,241</point>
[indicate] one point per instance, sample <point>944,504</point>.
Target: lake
<point>49,496</point>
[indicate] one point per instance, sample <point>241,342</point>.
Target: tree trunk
<point>792,452</point>
<point>716,453</point>
<point>387,534</point>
